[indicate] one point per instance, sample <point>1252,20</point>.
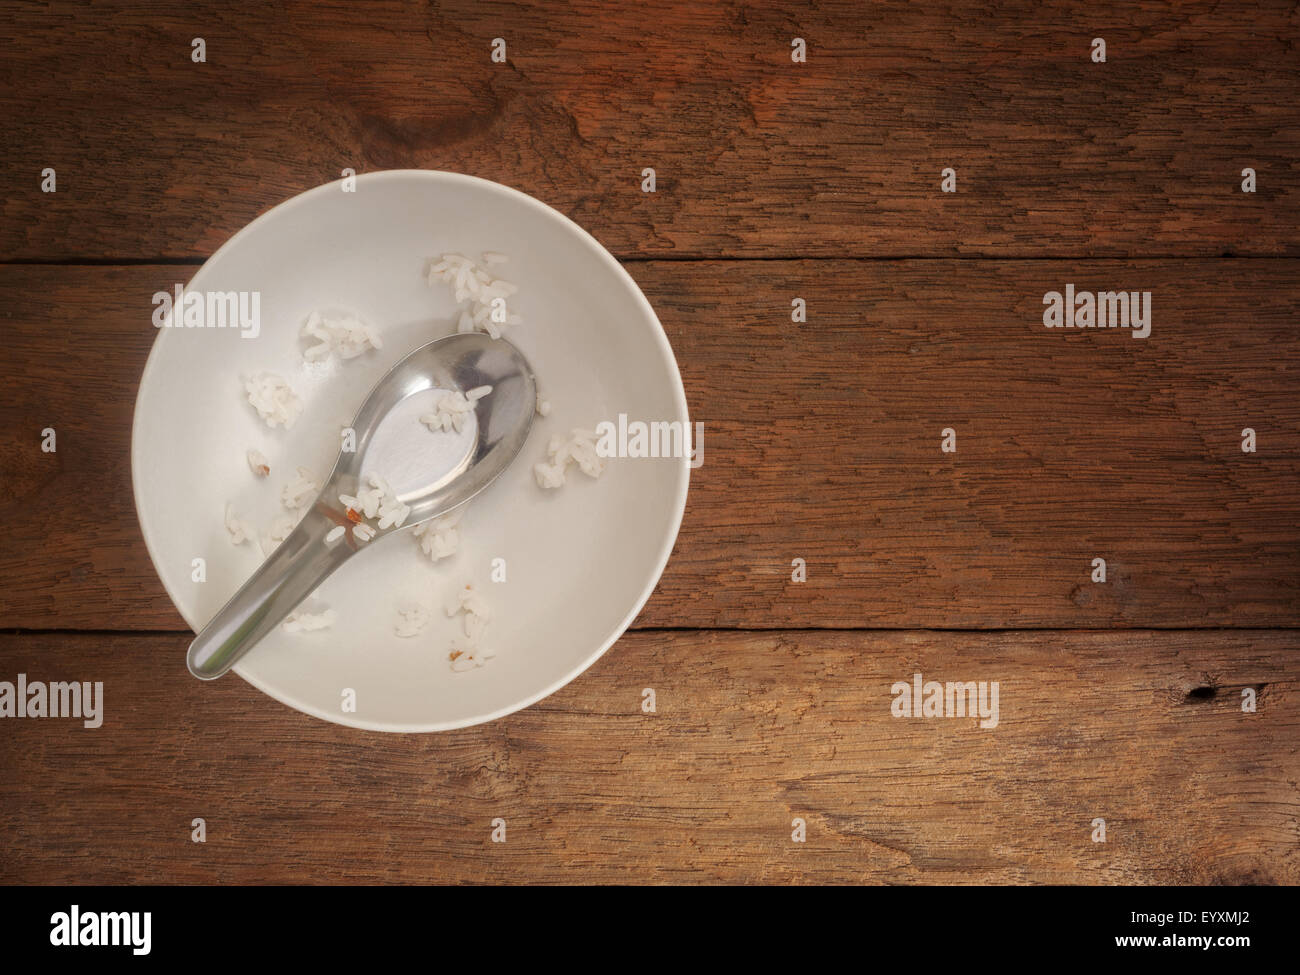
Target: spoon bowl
<point>432,472</point>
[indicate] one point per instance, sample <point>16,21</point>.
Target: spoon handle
<point>294,570</point>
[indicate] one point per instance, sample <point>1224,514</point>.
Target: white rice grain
<point>466,655</point>
<point>301,621</point>
<point>257,463</point>
<point>467,599</point>
<point>451,407</point>
<point>275,401</point>
<point>439,538</point>
<point>280,529</point>
<point>486,295</point>
<point>377,500</point>
<point>301,491</point>
<point>346,336</point>
<point>240,530</point>
<point>474,626</point>
<point>411,619</point>
<point>578,448</point>
<point>471,603</point>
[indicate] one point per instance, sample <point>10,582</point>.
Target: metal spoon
<point>432,471</point>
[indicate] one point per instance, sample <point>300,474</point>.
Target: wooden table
<point>776,180</point>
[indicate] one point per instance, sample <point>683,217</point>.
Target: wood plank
<point>755,155</point>
<point>1144,730</point>
<point>822,442</point>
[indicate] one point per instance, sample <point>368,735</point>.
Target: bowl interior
<point>578,562</point>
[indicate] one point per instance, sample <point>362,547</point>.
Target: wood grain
<point>157,156</point>
<point>751,730</point>
<point>822,442</point>
<point>775,180</point>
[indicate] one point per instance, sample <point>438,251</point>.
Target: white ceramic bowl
<point>580,561</point>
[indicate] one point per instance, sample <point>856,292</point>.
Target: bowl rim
<point>678,393</point>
